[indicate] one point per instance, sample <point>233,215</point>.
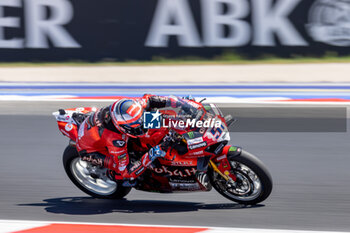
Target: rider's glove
<point>189,97</point>
<point>170,140</point>
<point>156,152</point>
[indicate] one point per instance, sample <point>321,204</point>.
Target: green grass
<point>228,58</point>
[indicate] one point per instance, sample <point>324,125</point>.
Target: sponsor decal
<point>62,118</point>
<point>93,160</point>
<point>116,152</point>
<point>80,109</point>
<point>39,32</point>
<point>194,104</point>
<point>135,166</point>
<point>119,143</point>
<point>140,170</point>
<point>195,141</point>
<point>181,163</point>
<point>190,134</point>
<point>169,171</point>
<point>182,181</point>
<point>185,186</point>
<point>221,157</point>
<point>68,127</point>
<point>270,24</point>
<point>192,147</point>
<point>329,22</point>
<point>233,148</point>
<point>197,152</point>
<point>219,148</point>
<point>122,157</point>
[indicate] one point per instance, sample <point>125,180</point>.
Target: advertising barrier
<point>94,30</point>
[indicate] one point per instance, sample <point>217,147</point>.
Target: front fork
<point>224,168</point>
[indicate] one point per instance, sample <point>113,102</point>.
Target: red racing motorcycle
<point>233,172</point>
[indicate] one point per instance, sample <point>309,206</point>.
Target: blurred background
<point>281,67</point>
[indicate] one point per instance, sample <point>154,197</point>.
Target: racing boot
<point>137,168</point>
<point>134,170</point>
<point>112,175</point>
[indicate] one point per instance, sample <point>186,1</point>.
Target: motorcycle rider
<point>103,137</point>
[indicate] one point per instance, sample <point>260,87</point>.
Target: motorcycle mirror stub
<point>229,120</point>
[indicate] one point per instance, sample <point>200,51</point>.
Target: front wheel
<point>253,181</point>
<point>91,179</point>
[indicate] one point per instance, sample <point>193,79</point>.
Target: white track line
<point>12,226</point>
<point>7,226</point>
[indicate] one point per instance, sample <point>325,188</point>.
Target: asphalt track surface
<point>310,171</point>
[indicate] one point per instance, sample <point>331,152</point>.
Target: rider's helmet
<point>127,117</point>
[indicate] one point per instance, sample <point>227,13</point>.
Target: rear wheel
<point>253,184</point>
<point>91,179</point>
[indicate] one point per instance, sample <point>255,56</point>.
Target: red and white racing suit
<point>102,144</point>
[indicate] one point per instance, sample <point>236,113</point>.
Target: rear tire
<point>70,157</point>
<point>251,162</point>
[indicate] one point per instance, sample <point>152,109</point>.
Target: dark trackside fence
<point>95,30</point>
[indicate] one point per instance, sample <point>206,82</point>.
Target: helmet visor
<point>135,128</point>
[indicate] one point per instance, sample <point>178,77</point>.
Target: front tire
<point>99,187</point>
<point>254,182</point>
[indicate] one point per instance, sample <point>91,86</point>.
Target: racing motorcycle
<point>233,172</point>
